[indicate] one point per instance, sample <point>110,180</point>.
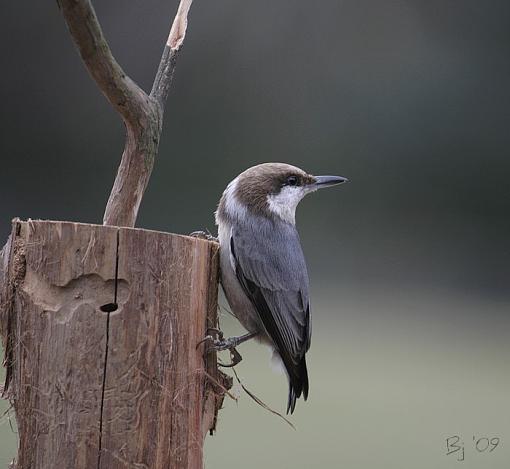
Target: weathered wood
<point>100,326</point>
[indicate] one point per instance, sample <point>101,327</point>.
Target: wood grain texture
<point>120,389</point>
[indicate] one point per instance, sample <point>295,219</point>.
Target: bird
<point>263,271</point>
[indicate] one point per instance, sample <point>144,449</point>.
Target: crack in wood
<point>108,308</point>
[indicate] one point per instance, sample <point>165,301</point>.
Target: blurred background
<point>409,263</point>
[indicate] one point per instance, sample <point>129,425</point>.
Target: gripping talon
<point>217,331</point>
<point>236,358</point>
<point>205,339</point>
<point>220,344</point>
<point>203,235</point>
<point>210,337</point>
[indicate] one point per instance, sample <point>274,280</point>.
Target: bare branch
<point>179,26</point>
<point>166,68</point>
<point>133,174</point>
<point>164,76</point>
<point>124,94</point>
<point>142,114</point>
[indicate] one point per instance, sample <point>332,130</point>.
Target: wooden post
<point>100,327</point>
<point>100,324</point>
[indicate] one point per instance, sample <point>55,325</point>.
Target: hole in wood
<point>109,307</point>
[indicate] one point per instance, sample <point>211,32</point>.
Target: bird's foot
<point>219,344</point>
<point>204,235</point>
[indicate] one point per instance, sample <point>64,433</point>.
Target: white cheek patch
<point>285,202</point>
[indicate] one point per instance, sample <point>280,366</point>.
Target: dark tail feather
<point>298,384</point>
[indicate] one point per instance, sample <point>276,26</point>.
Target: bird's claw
<point>235,356</point>
<point>203,235</point>
<point>219,344</point>
<point>210,337</point>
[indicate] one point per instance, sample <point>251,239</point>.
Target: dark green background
<point>409,264</point>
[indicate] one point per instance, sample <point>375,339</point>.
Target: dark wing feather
<point>270,266</point>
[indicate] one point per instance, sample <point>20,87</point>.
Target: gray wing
<point>271,268</point>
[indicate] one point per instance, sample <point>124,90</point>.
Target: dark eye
<point>292,181</point>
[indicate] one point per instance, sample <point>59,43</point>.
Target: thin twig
<point>260,402</point>
<point>223,388</point>
<point>166,68</point>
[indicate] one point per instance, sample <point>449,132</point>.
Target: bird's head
<point>271,190</point>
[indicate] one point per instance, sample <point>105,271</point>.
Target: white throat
<point>284,203</point>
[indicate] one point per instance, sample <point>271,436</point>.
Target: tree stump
<point>100,327</point>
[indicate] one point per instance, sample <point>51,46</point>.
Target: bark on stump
<point>100,326</point>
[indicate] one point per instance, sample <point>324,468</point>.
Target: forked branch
<point>142,113</point>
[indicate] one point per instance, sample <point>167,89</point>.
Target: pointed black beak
<point>328,181</point>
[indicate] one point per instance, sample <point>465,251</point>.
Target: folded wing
<point>271,268</point>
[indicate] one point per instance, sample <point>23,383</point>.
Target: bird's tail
<point>298,384</point>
